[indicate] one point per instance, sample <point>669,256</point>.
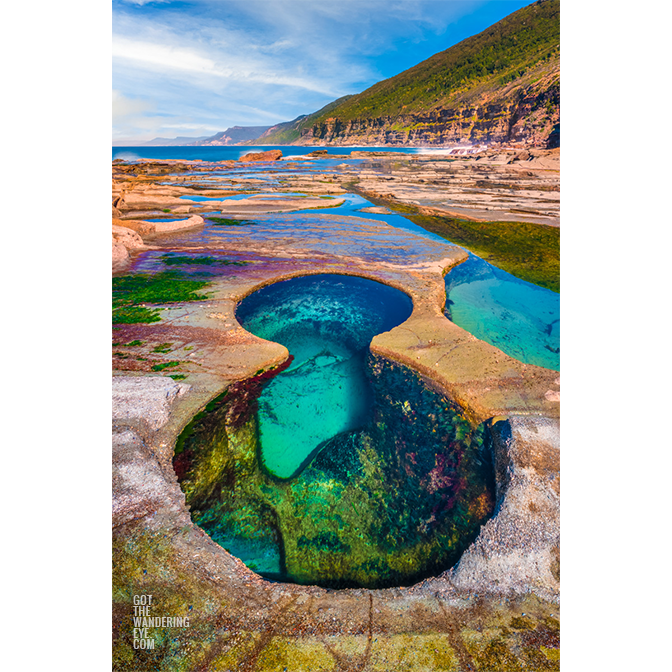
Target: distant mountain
<point>235,135</point>
<point>502,85</point>
<point>290,131</point>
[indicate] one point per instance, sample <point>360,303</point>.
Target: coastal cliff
<point>500,86</point>
<point>529,115</point>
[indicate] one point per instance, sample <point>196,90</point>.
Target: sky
<point>197,67</point>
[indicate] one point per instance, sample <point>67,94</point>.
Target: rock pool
<point>344,469</point>
<point>326,322</point>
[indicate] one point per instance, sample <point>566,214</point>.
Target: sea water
<point>233,153</point>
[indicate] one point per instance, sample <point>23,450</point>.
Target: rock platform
<point>497,609</point>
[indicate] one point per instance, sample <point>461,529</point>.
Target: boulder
<point>137,225</point>
<point>119,254</point>
<point>180,210</point>
<point>270,155</point>
<point>126,236</point>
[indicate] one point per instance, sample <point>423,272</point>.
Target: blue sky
<point>193,68</point>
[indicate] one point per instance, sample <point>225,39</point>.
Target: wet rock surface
<point>496,609</point>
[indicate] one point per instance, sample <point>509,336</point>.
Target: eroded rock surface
<point>519,548</point>
<point>129,238</point>
<point>120,256</point>
<point>497,609</point>
<point>145,399</point>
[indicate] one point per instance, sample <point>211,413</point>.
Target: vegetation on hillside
<point>500,54</point>
<point>289,131</point>
<point>519,52</point>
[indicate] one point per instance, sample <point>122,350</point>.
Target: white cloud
<point>174,58</point>
<point>123,107</point>
<point>221,63</point>
<point>193,127</point>
<point>171,58</point>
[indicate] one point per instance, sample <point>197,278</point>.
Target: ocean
<point>234,152</point>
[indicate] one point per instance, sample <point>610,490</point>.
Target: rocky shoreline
<point>498,608</point>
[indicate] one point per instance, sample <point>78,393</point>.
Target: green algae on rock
<point>130,291</point>
<point>194,260</point>
<point>227,221</point>
<point>528,251</point>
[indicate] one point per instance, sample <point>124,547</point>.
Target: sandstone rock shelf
<point>497,607</point>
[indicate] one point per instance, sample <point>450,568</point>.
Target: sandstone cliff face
<point>500,86</point>
<point>527,116</point>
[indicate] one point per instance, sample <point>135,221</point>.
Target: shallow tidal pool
<point>519,318</point>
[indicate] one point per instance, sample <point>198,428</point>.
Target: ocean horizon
<point>234,152</point>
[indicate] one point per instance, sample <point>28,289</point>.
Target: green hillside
<point>499,55</point>
<point>496,85</point>
<point>290,131</point>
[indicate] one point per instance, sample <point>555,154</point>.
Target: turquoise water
<point>517,317</point>
<point>326,322</point>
